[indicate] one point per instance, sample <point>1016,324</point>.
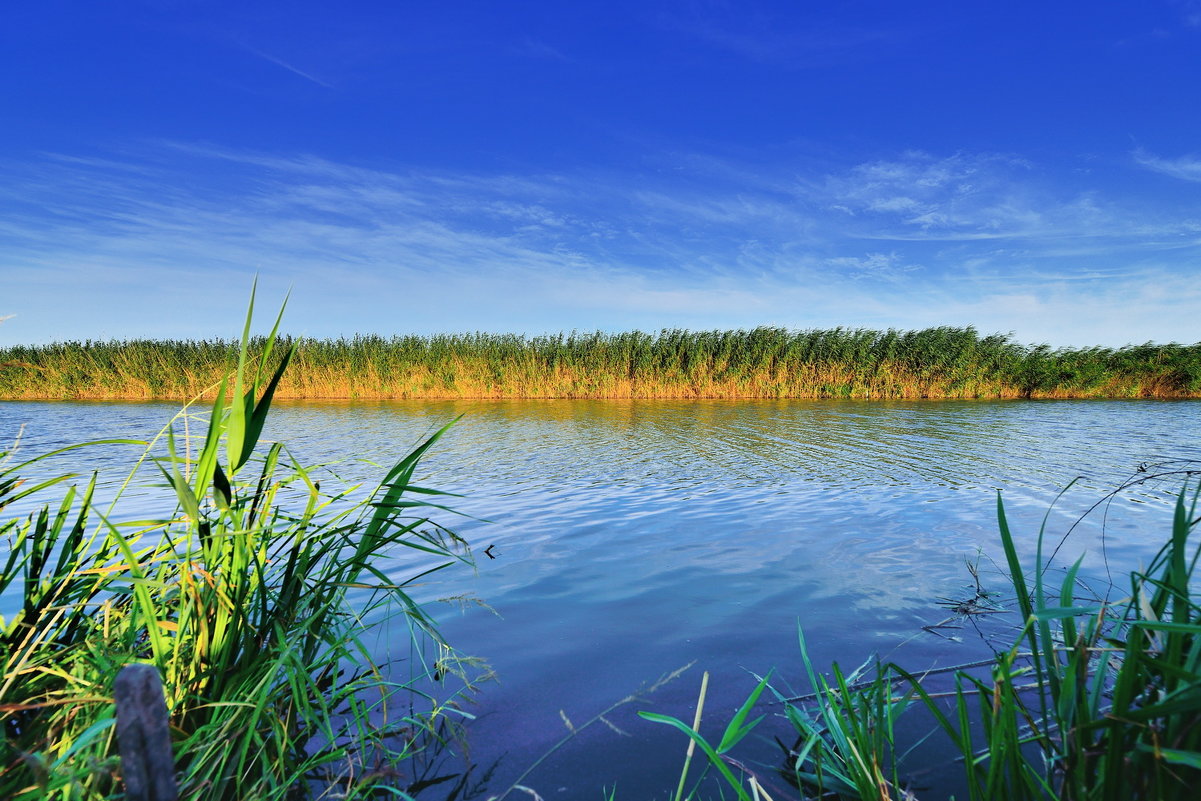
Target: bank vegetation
<point>943,362</point>
<point>258,598</point>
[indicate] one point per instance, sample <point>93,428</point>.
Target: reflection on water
<point>632,537</point>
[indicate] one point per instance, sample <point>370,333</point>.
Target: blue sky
<point>544,166</point>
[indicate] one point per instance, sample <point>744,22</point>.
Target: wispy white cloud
<point>165,245</point>
<point>874,265</point>
<point>536,48</point>
<point>759,35</point>
<point>1145,303</point>
<point>993,198</point>
<point>1190,12</point>
<point>953,197</point>
<point>279,62</point>
<point>1186,168</point>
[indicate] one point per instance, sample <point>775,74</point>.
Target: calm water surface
<point>634,537</point>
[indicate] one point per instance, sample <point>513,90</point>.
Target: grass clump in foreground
<point>240,599</point>
<point>1093,700</point>
<point>943,362</point>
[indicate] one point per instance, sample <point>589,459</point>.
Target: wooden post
<point>143,736</point>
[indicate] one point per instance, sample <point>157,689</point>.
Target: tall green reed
<point>242,598</point>
<point>1109,705</point>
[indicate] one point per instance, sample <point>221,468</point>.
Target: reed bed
<point>943,362</point>
<point>240,597</point>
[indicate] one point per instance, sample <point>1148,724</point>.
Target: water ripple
<point>632,536</point>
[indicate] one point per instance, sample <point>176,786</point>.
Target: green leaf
<point>735,730</point>
<point>207,458</point>
<point>187,498</point>
<point>235,422</point>
<point>258,417</point>
<point>713,756</point>
<point>1159,625</point>
<point>1175,756</point>
<point>84,739</point>
<point>1057,612</point>
<point>222,491</point>
<point>1015,565</point>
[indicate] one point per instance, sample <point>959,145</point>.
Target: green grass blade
<point>714,758</point>
<point>737,728</point>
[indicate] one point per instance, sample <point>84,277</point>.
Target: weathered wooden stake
<point>143,736</point>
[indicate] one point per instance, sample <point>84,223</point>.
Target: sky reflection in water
<point>632,537</point>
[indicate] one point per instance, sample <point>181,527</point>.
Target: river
<point>631,538</point>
